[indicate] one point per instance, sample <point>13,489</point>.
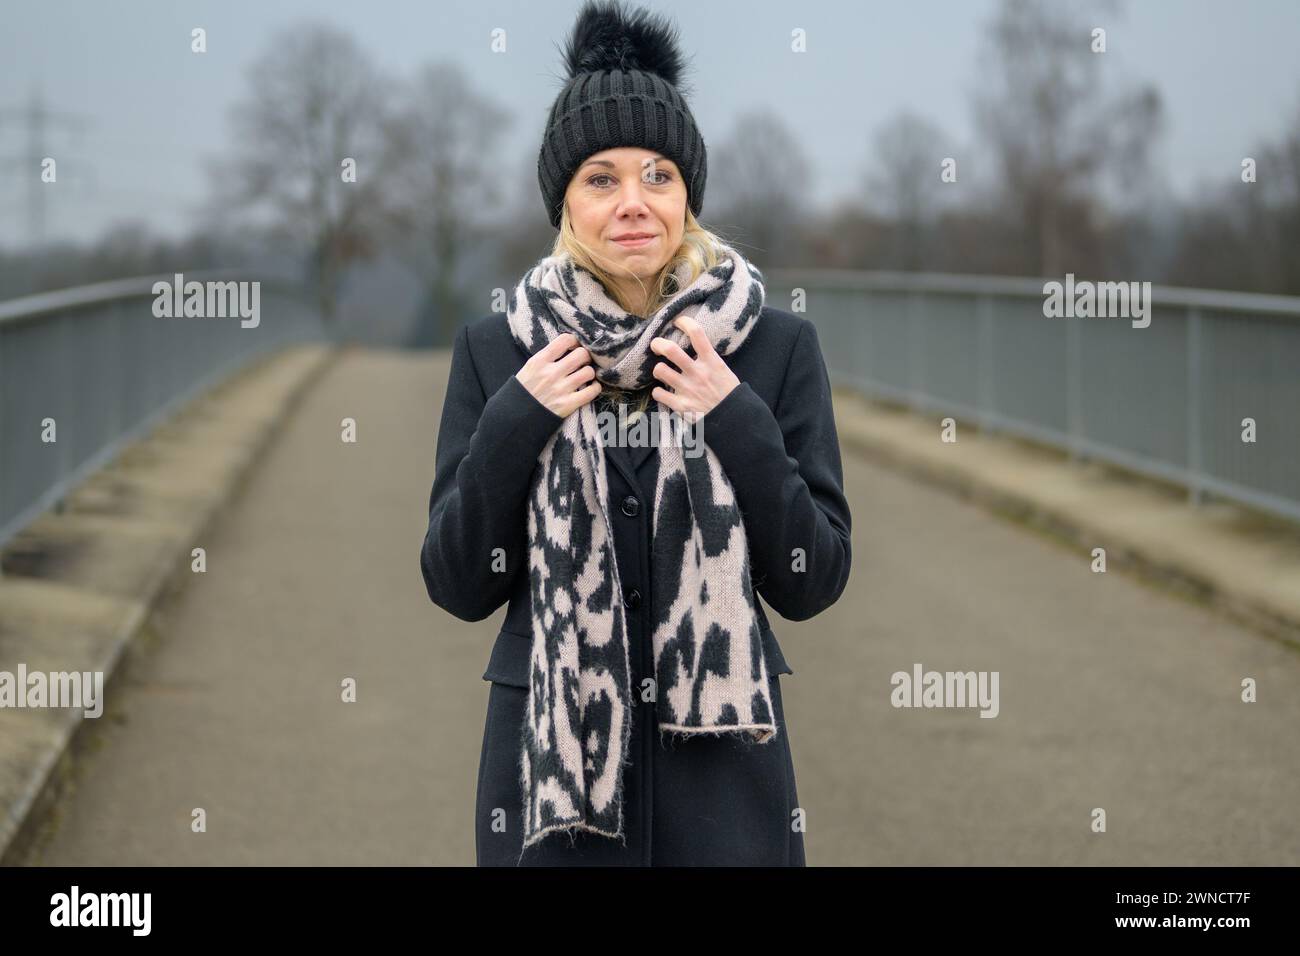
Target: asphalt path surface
<point>1112,695</point>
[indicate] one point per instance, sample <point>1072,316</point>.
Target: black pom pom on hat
<point>622,89</point>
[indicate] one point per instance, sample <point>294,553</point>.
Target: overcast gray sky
<point>147,110</point>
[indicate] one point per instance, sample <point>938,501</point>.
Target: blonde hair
<point>700,249</point>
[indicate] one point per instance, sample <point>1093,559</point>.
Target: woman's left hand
<point>703,381</point>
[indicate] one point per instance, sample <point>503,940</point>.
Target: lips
<point>635,243</point>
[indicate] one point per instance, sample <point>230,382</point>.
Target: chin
<point>646,270</point>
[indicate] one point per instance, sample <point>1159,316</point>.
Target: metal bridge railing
<point>99,364</point>
<point>1167,400</point>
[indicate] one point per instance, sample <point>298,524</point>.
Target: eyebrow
<point>606,162</point>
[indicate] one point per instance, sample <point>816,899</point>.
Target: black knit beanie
<point>623,70</point>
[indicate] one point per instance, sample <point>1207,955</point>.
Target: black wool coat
<point>701,800</point>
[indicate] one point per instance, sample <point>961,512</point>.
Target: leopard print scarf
<point>710,676</point>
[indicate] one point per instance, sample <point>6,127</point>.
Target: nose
<point>631,198</point>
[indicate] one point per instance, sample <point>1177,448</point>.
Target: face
<point>628,191</point>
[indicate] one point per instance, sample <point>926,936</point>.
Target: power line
<point>34,119</point>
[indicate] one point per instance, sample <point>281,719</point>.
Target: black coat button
<point>631,506</point>
<point>633,598</point>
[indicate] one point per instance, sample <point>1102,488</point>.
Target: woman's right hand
<point>552,374</point>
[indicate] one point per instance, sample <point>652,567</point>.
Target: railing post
<point>4,446</point>
<point>70,398</point>
<point>860,339</point>
<point>984,360</point>
<point>1073,387</point>
<point>916,384</point>
<point>1194,451</point>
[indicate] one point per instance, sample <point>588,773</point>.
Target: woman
<point>634,714</point>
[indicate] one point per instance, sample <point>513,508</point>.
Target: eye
<point>597,178</point>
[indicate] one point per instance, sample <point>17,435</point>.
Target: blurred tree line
<point>1061,178</point>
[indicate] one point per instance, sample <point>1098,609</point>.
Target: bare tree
<point>903,184</point>
<point>446,178</point>
<point>526,234</point>
<point>758,184</point>
<point>1055,133</point>
<point>1281,196</point>
<point>314,101</point>
<point>1244,235</point>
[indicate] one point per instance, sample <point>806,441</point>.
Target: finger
<point>667,374</point>
<point>575,359</point>
<point>666,397</point>
<point>580,376</point>
<point>673,352</point>
<point>695,332</point>
<point>582,397</point>
<point>558,346</point>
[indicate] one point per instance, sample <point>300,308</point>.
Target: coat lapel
<point>631,462</point>
<point>617,457</point>
<point>639,454</point>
